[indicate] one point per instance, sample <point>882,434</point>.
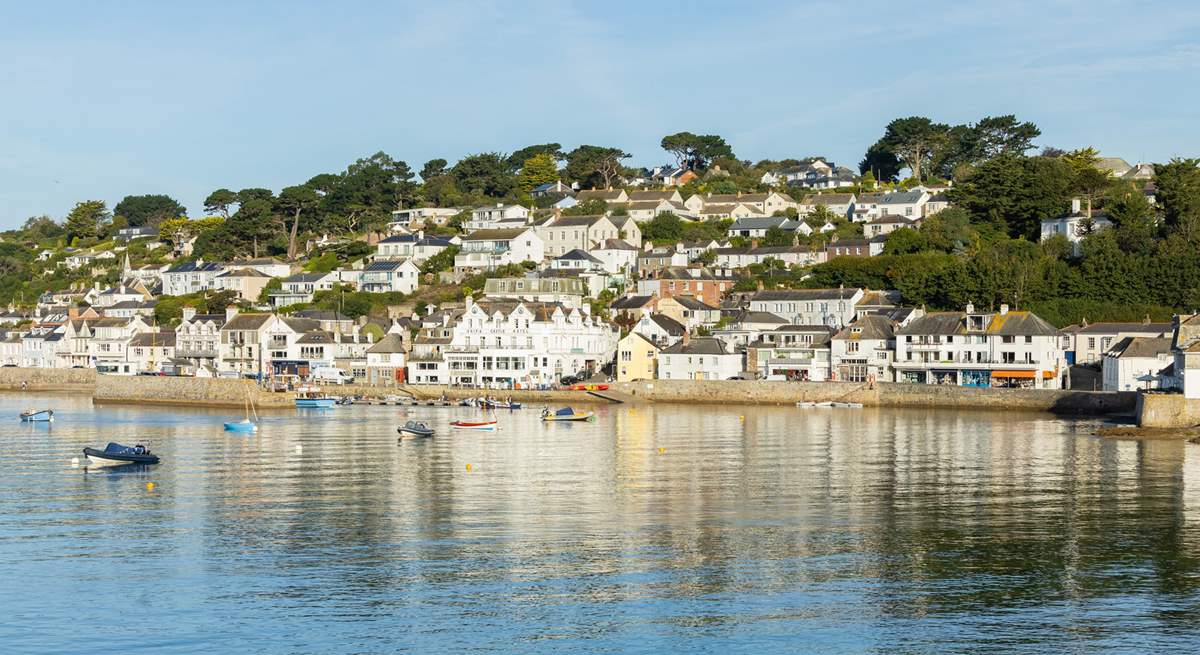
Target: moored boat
<point>311,397</point>
<point>115,454</point>
<point>415,429</point>
<point>500,404</point>
<point>567,414</point>
<point>37,416</point>
<point>241,426</point>
<point>473,425</point>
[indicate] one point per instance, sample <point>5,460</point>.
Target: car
<point>569,380</point>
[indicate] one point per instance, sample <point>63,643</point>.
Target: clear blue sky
<point>106,99</point>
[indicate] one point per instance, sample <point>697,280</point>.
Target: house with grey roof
<point>701,358</point>
<point>757,227</point>
<point>1008,348</point>
<point>1139,364</point>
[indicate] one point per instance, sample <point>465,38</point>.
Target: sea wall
<point>48,379</point>
<point>1167,410</point>
<point>1162,411</point>
<point>759,392</point>
<point>206,392</point>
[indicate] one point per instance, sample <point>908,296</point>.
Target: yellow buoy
<point>468,467</point>
<point>149,486</point>
<point>741,418</point>
<point>662,450</point>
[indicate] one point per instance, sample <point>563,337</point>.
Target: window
<point>1008,358</point>
<point>626,355</point>
<point>1008,338</point>
<point>852,347</point>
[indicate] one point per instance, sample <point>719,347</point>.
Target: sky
<point>101,100</point>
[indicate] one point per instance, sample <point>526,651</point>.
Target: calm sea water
<point>664,529</point>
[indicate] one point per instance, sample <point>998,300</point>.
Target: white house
<point>1137,363</point>
<point>268,266</point>
<point>659,329</point>
<point>492,216</point>
<point>566,233</point>
<point>485,250</point>
<point>616,256</point>
<point>831,307</point>
<point>417,247</point>
<point>576,260</point>
<point>403,219</point>
<point>702,358</point>
<point>1004,349</point>
<point>300,288</point>
<point>863,350</point>
<point>391,275</point>
<point>190,277</point>
<point>1075,226</point>
<point>1185,345</point>
<point>386,361</point>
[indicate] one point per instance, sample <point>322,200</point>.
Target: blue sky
<point>106,99</point>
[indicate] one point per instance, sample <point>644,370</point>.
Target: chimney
<point>557,213</point>
<point>230,312</point>
<point>1003,309</point>
<point>72,313</point>
<point>759,286</point>
<point>687,338</point>
<point>1146,320</point>
<point>754,243</point>
<point>1075,205</point>
<point>189,313</point>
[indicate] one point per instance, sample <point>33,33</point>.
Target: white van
<point>331,375</point>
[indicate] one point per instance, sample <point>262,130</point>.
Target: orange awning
<point>1013,374</point>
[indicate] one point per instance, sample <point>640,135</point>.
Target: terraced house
<point>981,349</point>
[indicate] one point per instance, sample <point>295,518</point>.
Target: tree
<point>1015,193</point>
<point>664,228</point>
<point>487,174</point>
<point>518,158</point>
<point>443,261</point>
<point>86,220</point>
<point>776,237</point>
<point>695,151</point>
<point>367,193</point>
<point>591,207</point>
<point>433,168</point>
<point>880,163</point>
<point>41,227</point>
<point>1178,193</point>
<point>219,202</point>
<point>148,210</point>
<point>1087,180</point>
<point>915,140</point>
<point>595,166</point>
<point>537,170</point>
<point>254,193</point>
<point>295,200</point>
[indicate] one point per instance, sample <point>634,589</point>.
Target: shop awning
<point>1027,375</point>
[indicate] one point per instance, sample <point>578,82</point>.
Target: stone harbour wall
<point>1167,410</point>
<point>206,392</point>
<point>886,394</point>
<point>48,379</point>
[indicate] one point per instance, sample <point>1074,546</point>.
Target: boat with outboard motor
<point>415,429</point>
<point>115,454</point>
<point>37,416</point>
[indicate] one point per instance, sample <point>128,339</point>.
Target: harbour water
<point>653,529</point>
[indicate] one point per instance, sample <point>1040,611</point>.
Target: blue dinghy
<point>38,416</point>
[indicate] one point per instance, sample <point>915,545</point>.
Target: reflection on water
<point>653,529</point>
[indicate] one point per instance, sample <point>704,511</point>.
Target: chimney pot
<point>1003,309</point>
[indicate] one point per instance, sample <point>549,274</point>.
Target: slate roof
<point>697,346</point>
<point>871,326</point>
<point>153,340</point>
<point>804,294</point>
<point>576,221</point>
<point>829,199</point>
<point>765,223</point>
<point>244,272</point>
<point>496,234</point>
<point>579,255</point>
<point>690,302</point>
<point>321,315</point>
<point>305,277</point>
<point>246,322</point>
<point>617,244</point>
<point>1113,328</point>
<point>631,302</point>
<point>900,198</point>
<point>669,325</point>
<point>390,343</point>
<point>1141,347</point>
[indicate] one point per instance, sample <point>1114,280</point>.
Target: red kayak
<point>473,425</point>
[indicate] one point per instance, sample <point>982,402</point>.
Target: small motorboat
<point>567,414</point>
<point>37,416</point>
<point>468,402</point>
<point>310,397</point>
<point>346,400</point>
<point>473,425</point>
<point>114,454</point>
<point>415,429</point>
<point>809,404</point>
<point>848,405</point>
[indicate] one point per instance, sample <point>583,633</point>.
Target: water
<point>662,529</point>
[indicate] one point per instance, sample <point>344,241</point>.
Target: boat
<point>115,454</point>
<point>37,416</point>
<point>245,425</point>
<point>345,400</point>
<point>415,429</point>
<point>473,425</point>
<point>848,405</point>
<point>500,404</point>
<point>469,402</point>
<point>313,397</point>
<point>568,414</point>
<point>808,404</point>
